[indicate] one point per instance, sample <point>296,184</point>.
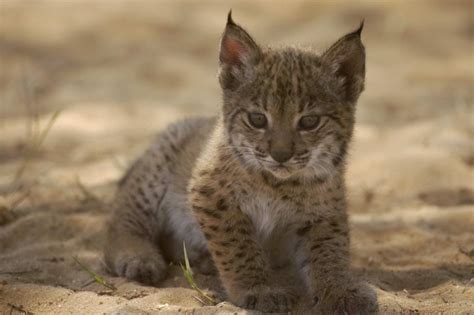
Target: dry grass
<point>95,277</point>
<point>189,276</point>
<point>20,189</point>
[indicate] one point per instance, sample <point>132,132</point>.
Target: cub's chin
<point>281,173</point>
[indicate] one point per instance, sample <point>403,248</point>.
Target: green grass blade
<point>188,275</point>
<point>44,133</point>
<point>33,145</point>
<point>96,277</point>
<point>186,260</point>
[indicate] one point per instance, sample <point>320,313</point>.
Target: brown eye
<point>258,120</point>
<point>308,122</point>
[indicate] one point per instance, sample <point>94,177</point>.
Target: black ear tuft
<point>229,18</point>
<point>347,60</point>
<point>361,27</point>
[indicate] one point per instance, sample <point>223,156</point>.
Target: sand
<point>120,72</point>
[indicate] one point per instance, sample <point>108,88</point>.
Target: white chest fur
<point>266,212</point>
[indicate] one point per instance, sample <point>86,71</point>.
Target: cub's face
<point>290,113</point>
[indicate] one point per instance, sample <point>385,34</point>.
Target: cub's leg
<point>233,244</point>
<point>322,255</point>
<point>151,206</point>
<point>130,250</point>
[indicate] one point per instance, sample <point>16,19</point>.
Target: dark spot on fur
<point>239,255</point>
<point>325,239</point>
<point>173,147</point>
<point>203,173</point>
<point>320,180</point>
<point>208,212</point>
<point>206,191</point>
<point>315,246</point>
<point>303,230</point>
<point>248,241</point>
<point>243,230</point>
<point>249,259</point>
<point>337,160</point>
<point>221,205</point>
<point>213,228</point>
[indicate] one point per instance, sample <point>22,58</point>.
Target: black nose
<point>281,156</point>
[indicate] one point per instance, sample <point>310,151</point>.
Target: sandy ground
<point>120,71</point>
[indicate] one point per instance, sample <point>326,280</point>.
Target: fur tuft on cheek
<point>327,158</point>
<point>244,148</point>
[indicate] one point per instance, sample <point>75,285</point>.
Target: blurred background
<point>85,86</point>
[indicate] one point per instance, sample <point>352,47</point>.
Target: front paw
<point>148,269</point>
<point>348,298</point>
<point>268,300</point>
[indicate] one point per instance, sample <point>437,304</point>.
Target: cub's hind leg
<point>151,205</point>
<point>130,250</point>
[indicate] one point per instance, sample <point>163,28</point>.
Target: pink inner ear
<point>232,51</point>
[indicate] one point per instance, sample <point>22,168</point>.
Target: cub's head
<point>290,112</point>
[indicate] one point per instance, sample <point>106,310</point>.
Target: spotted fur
<point>245,197</point>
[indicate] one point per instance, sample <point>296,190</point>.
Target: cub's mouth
<point>281,171</point>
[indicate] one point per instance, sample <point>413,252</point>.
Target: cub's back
<point>171,157</point>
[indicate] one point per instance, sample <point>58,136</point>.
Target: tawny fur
<point>245,198</point>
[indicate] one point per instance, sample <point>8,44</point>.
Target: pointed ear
<point>238,55</point>
<point>347,60</point>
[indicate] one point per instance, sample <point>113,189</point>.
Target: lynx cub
<point>261,184</point>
